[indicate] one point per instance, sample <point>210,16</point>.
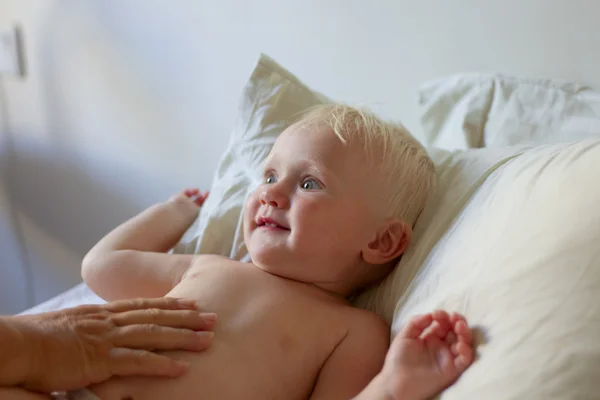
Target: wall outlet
<point>11,62</point>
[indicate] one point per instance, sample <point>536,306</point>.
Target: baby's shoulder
<point>366,323</point>
<point>365,330</point>
<point>203,259</point>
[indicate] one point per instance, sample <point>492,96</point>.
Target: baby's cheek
<point>250,209</point>
<point>315,206</point>
<point>252,202</point>
<point>326,218</point>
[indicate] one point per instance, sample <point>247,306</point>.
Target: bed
<point>510,238</point>
<point>75,296</point>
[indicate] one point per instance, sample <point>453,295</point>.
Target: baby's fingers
<point>455,317</point>
<point>190,192</point>
<point>450,338</point>
<point>196,196</point>
<point>463,336</point>
<point>463,332</point>
<point>463,356</point>
<point>440,326</point>
<point>416,326</point>
<point>200,199</point>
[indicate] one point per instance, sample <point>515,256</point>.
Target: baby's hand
<point>428,355</point>
<point>190,196</point>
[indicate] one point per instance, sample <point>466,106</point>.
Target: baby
<point>334,212</point>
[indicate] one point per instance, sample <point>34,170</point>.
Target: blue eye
<point>310,184</point>
<point>270,178</point>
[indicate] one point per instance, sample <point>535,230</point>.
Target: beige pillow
<point>460,174</point>
<point>522,262</point>
<point>494,110</point>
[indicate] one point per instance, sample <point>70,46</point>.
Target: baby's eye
<point>310,184</point>
<point>270,178</point>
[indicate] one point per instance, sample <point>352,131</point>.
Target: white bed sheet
<point>77,295</point>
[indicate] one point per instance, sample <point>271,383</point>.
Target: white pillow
<point>522,263</point>
<point>271,100</point>
<point>484,110</point>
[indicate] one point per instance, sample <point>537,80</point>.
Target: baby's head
<point>340,194</point>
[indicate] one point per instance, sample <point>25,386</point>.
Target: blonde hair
<point>407,173</point>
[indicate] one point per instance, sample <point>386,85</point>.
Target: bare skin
<point>284,328</point>
<point>78,346</point>
<point>266,325</point>
<point>426,357</point>
<point>290,324</point>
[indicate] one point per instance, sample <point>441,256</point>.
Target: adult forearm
<point>16,393</point>
<point>14,353</point>
<point>156,229</point>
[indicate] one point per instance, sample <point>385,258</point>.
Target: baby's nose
<point>274,198</point>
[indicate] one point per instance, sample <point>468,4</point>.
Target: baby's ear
<point>389,243</point>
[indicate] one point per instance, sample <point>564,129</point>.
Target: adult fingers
<point>154,337</point>
<point>164,303</point>
<point>173,318</point>
<point>127,362</point>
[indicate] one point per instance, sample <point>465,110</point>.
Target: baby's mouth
<point>269,223</point>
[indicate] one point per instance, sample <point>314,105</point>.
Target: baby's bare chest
<point>271,339</point>
<point>269,323</point>
<point>244,294</point>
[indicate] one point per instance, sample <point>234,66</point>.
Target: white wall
<point>13,270</point>
<point>127,101</point>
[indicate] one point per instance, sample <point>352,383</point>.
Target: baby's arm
<point>131,260</point>
<point>355,360</point>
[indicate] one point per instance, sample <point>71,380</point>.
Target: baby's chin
<point>266,259</point>
<point>273,261</point>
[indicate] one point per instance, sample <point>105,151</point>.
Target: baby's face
<point>309,219</point>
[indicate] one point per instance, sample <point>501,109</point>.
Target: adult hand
<point>76,347</point>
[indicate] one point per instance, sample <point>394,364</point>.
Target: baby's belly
<point>223,372</point>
